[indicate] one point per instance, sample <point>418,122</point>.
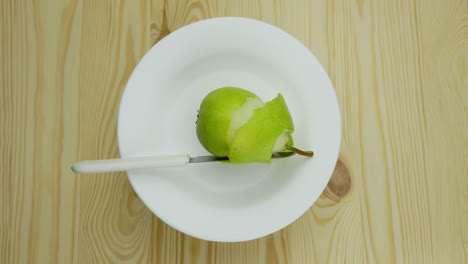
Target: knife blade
<point>211,158</point>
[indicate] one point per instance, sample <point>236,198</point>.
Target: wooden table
<point>399,193</point>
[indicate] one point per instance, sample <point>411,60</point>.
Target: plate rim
<point>168,38</point>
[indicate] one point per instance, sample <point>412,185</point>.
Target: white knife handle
<point>112,165</point>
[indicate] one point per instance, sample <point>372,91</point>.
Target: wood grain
<point>398,195</point>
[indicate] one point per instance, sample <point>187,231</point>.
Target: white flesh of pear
<point>242,115</point>
<point>281,141</point>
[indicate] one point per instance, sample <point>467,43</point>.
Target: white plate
<point>157,115</point>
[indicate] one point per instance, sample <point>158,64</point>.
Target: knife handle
<point>113,165</point>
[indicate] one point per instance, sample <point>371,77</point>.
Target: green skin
<point>254,141</point>
<point>214,118</point>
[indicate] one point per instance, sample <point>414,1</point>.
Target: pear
<point>217,110</point>
<point>235,123</point>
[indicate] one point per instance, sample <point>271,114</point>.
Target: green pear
<point>217,110</point>
<point>235,123</point>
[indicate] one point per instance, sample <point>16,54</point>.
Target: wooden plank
<point>398,193</point>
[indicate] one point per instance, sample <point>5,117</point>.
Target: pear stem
<point>300,152</point>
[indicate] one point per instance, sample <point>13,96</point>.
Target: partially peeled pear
<point>235,123</point>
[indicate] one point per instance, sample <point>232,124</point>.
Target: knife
<point>124,164</point>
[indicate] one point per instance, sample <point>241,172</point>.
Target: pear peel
<point>235,123</point>
<point>255,141</point>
